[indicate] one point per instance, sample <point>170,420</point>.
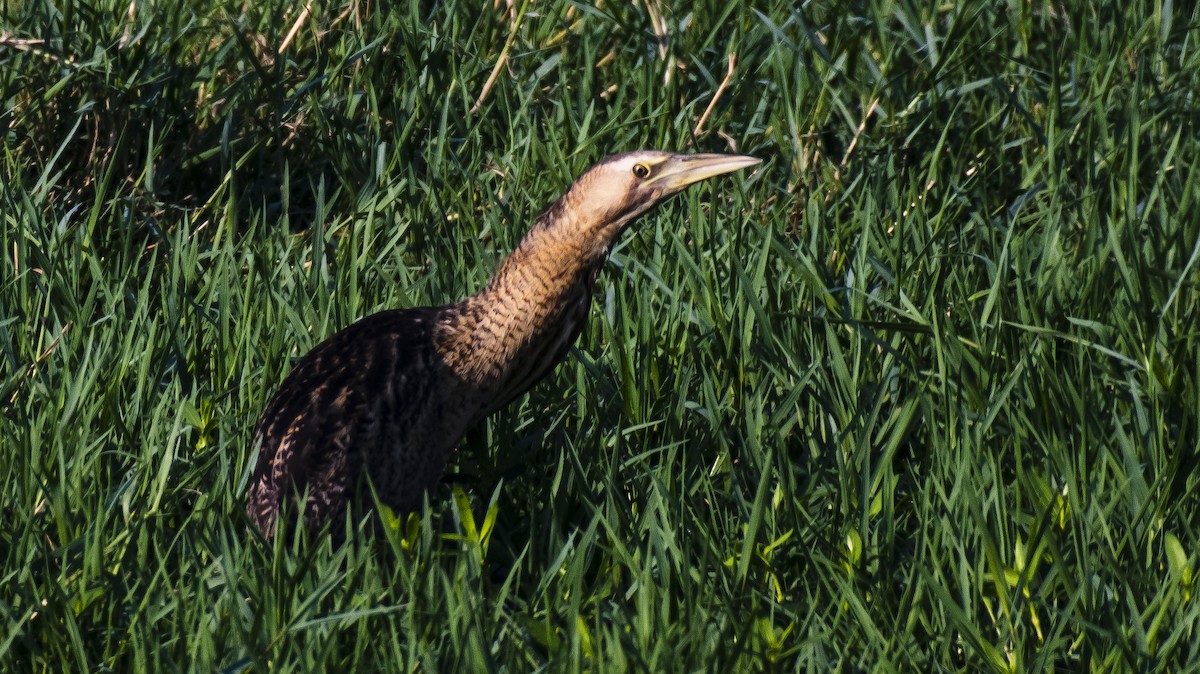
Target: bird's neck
<point>510,334</point>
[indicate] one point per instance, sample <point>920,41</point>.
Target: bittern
<point>388,397</point>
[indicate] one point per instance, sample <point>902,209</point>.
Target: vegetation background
<point>919,393</point>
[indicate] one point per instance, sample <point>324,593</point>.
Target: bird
<point>388,397</point>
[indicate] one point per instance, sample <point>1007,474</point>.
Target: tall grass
<point>920,393</point>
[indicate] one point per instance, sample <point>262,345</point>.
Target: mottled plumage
<point>390,396</point>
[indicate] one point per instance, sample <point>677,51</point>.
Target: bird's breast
<point>506,339</point>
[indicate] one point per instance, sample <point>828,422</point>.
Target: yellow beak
<point>681,170</point>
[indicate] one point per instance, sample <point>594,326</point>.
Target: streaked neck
<point>509,335</point>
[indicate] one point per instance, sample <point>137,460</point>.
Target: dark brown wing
<point>347,404</point>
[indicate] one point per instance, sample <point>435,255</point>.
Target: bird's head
<point>610,195</point>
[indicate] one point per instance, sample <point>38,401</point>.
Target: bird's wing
<point>313,433</point>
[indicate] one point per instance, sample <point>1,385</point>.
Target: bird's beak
<point>681,170</point>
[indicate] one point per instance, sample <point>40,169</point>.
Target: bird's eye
<point>641,171</point>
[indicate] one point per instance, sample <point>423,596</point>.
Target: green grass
<point>922,393</point>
